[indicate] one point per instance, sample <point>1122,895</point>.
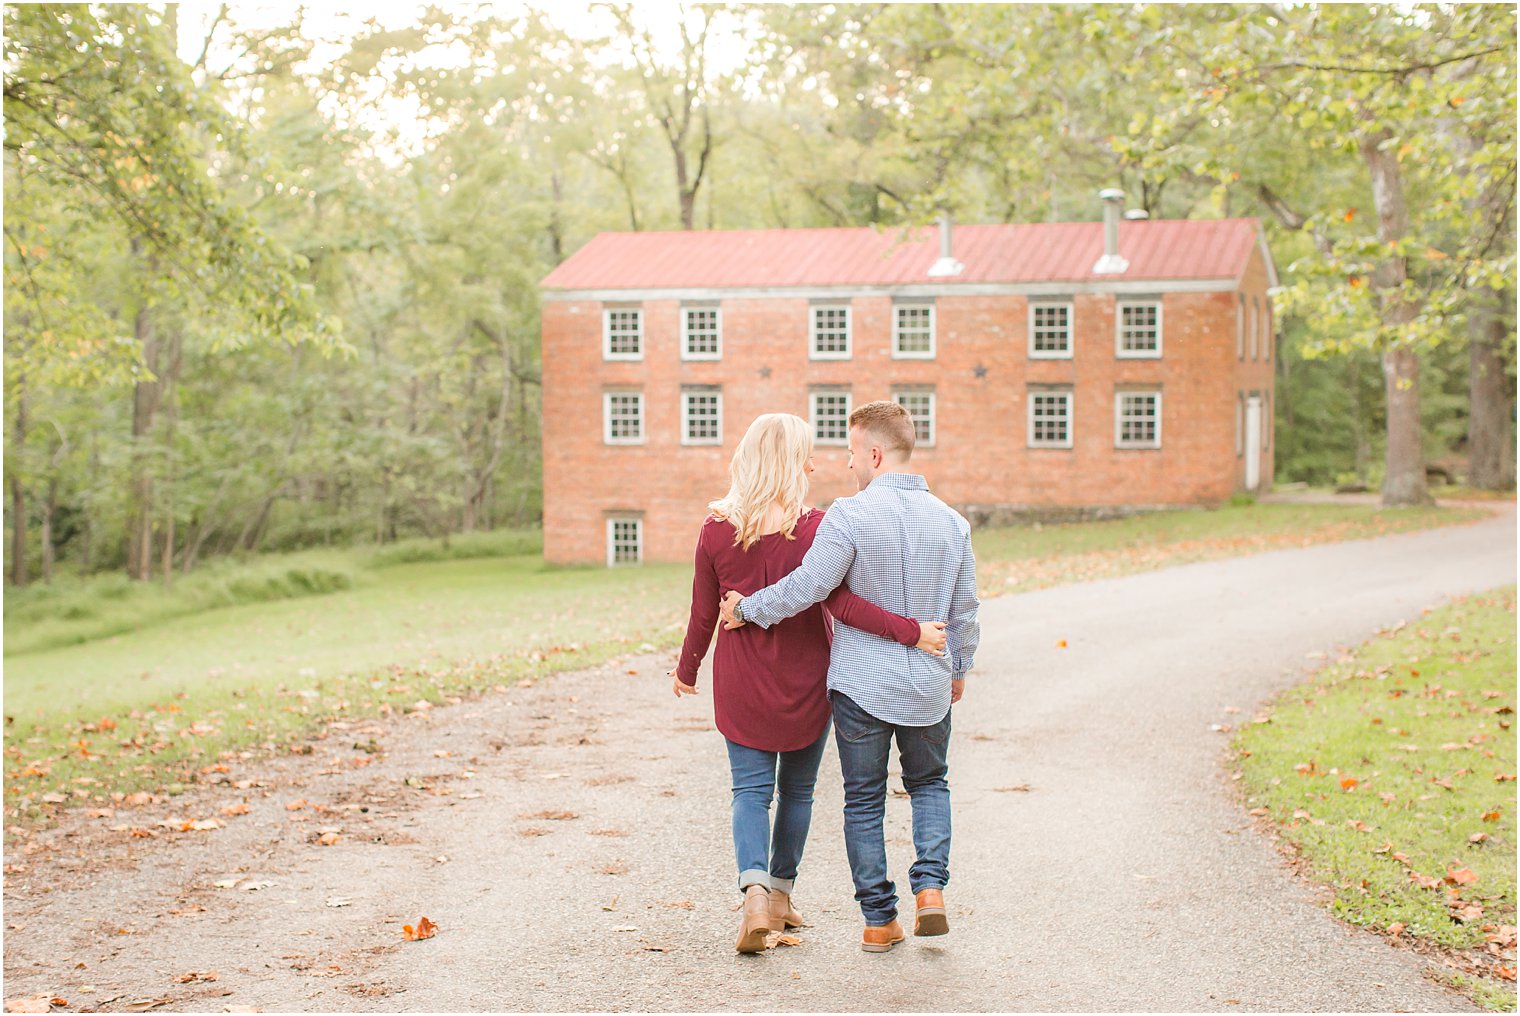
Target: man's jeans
<point>864,742</point>
<point>758,776</point>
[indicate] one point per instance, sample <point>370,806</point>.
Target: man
<point>904,549</point>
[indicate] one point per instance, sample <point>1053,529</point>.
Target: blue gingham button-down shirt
<point>905,550</point>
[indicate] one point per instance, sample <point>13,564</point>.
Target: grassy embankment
<point>112,688</point>
<point>1391,776</point>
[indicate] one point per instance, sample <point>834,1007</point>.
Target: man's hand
<point>679,688</point>
<point>957,689</point>
<point>726,608</point>
<point>931,637</point>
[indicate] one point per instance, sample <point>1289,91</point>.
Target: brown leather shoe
<point>782,914</point>
<point>757,920</point>
<point>930,918</point>
<point>881,938</point>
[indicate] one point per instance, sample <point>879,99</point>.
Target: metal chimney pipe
<point>1113,208</point>
<point>946,265</point>
<point>1111,263</point>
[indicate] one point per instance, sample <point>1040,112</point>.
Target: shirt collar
<point>900,481</point>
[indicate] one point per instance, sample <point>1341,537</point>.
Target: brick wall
<point>980,375</point>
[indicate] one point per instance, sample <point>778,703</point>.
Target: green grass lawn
<point>1392,774</point>
<point>130,687</point>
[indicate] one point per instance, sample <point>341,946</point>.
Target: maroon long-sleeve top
<point>770,684</point>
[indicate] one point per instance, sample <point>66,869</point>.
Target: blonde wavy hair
<point>770,465</point>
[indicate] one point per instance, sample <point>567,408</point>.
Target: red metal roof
<point>1048,252</point>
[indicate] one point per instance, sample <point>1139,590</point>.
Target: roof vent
<point>1136,215</point>
<point>946,265</point>
<point>1111,263</point>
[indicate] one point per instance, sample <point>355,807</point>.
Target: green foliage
<point>185,244</point>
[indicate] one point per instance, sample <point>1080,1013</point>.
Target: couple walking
<point>875,561</point>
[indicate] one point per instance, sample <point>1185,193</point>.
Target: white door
<point>1253,442</point>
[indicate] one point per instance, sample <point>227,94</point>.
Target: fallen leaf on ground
<point>144,1004</point>
<point>552,816</point>
<point>1461,876</point>
<point>200,825</point>
<point>424,929</point>
<point>236,809</point>
<point>1477,837</point>
<point>1396,929</point>
<point>241,1008</point>
<point>38,1004</point>
<point>328,839</point>
<point>682,904</point>
<point>1021,788</point>
<point>1491,816</point>
<point>196,975</point>
<point>788,940</point>
<point>1349,783</point>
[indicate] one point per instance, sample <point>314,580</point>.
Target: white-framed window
<point>1240,425</point>
<point>1137,419</point>
<point>1267,338</point>
<point>1139,332</point>
<point>1255,324</point>
<point>623,333</point>
<point>701,333</point>
<point>625,540</point>
<point>623,417</point>
<point>1240,326</point>
<point>920,406</point>
<point>1049,419</point>
<point>913,331</point>
<point>829,412</point>
<point>701,416</point>
<point>829,331</point>
<point>1050,330</point>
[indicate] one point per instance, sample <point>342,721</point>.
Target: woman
<point>769,685</point>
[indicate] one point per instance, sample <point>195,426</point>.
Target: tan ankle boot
<point>882,938</point>
<point>757,920</point>
<point>930,919</point>
<point>782,914</point>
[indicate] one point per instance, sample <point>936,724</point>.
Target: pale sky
<point>332,25</point>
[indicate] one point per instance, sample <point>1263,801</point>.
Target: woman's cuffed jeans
<point>768,855</point>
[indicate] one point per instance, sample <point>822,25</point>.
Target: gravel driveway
<point>570,840</point>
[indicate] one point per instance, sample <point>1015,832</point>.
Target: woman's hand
<point>931,637</point>
<point>679,688</point>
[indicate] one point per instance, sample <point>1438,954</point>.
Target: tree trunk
<point>1404,479</point>
<point>50,509</point>
<point>1490,431</point>
<point>1404,475</point>
<point>169,384</point>
<point>144,407</point>
<point>18,532</point>
<point>556,227</point>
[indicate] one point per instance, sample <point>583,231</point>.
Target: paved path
<point>1126,878</point>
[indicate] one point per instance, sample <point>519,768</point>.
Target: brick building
<point>1053,367</point>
